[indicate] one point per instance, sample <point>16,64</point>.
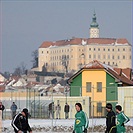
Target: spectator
<point>66,110</point>
<point>20,122</point>
<point>2,107</point>
<point>58,109</point>
<point>13,109</point>
<point>51,110</point>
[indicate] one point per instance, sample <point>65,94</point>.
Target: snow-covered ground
<point>44,125</point>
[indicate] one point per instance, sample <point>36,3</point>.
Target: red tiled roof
<point>46,44</point>
<point>125,71</point>
<point>122,41</point>
<point>75,41</point>
<point>101,41</point>
<point>120,74</point>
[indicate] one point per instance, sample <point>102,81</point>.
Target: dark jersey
<point>20,123</point>
<point>110,121</point>
<point>2,107</point>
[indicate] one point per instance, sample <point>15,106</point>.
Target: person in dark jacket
<point>20,122</point>
<point>110,119</point>
<point>66,110</point>
<point>2,107</point>
<point>13,109</point>
<point>51,110</point>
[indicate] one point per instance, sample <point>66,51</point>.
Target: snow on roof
<point>108,67</point>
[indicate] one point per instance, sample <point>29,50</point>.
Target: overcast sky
<point>24,25</point>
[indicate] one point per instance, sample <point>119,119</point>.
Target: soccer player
<point>110,119</point>
<point>122,119</point>
<point>81,120</point>
<point>20,122</point>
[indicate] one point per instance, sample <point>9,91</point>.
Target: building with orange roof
<point>71,54</point>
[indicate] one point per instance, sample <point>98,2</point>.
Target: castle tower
<point>94,29</point>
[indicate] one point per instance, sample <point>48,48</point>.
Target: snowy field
<point>60,125</point>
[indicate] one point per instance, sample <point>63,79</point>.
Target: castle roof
<point>89,41</point>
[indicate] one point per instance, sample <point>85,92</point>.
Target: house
<point>99,81</point>
<point>2,78</point>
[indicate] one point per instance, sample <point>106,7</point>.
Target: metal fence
<point>39,105</point>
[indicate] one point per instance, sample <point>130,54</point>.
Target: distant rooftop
<point>89,41</point>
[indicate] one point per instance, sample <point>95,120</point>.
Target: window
<point>104,49</point>
<point>118,57</point>
<point>89,49</point>
<point>118,49</point>
<point>108,49</point>
<point>47,52</point>
<point>88,87</point>
<point>99,86</point>
<point>98,49</point>
<point>89,56</point>
<point>42,52</point>
<point>113,57</point>
<point>123,56</point>
<point>99,107</point>
<point>94,56</point>
<point>99,57</point>
<point>112,49</point>
<point>104,56</point>
<point>94,49</point>
<point>108,56</point>
<point>108,63</point>
<point>123,49</point>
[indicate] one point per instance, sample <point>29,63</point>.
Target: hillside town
<point>93,71</point>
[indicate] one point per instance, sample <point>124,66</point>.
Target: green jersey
<point>81,122</point>
<point>121,120</point>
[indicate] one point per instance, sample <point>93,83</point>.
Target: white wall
<point>125,99</point>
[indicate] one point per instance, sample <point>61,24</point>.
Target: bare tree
<point>35,58</point>
<point>21,69</point>
<point>44,68</point>
<point>6,74</point>
<point>17,71</point>
<point>65,62</point>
